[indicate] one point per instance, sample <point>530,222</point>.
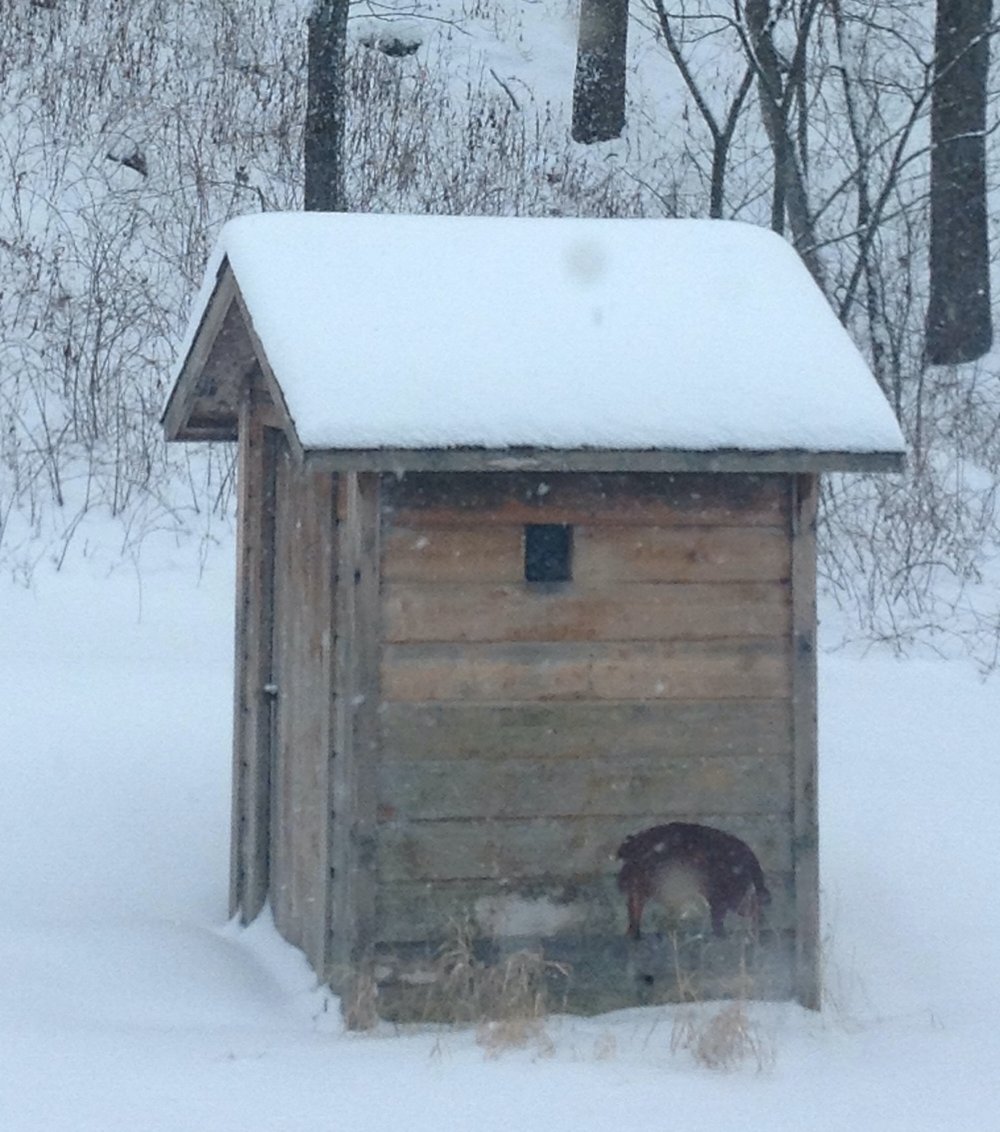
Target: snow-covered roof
<point>438,332</point>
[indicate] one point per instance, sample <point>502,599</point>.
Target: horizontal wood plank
<point>629,612</point>
<point>415,911</point>
<point>728,669</point>
<point>615,731</point>
<point>443,499</point>
<point>528,788</point>
<point>570,849</point>
<point>454,554</point>
<point>602,554</point>
<point>680,554</point>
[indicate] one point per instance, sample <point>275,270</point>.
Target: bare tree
<point>599,82</point>
<point>720,130</point>
<point>781,81</point>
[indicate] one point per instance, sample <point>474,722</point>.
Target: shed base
<point>593,975</point>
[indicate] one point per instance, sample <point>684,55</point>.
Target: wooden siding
<point>751,668</point>
<point>356,700</point>
<point>649,500</point>
<point>577,848</point>
<point>301,676</point>
<point>805,494</point>
<point>618,731</point>
<point>592,907</point>
<point>618,611</point>
<point>526,729</point>
<point>559,788</point>
<point>252,708</point>
<point>628,552</point>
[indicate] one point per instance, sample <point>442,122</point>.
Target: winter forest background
<point>130,130</point>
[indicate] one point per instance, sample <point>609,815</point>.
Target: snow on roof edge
<point>423,294</point>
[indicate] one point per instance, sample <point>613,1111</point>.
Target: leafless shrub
<point>99,258</point>
<point>359,1005</point>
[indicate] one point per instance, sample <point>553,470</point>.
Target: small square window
<point>548,552</point>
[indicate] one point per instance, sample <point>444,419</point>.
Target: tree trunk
<point>326,107</point>
<point>599,82</point>
<point>959,327</point>
<point>791,198</point>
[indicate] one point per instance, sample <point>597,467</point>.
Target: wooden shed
<point>526,565</point>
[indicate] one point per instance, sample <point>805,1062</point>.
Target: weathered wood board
<point>577,849</point>
<point>529,788</point>
<point>615,730</point>
<point>444,499</point>
<point>754,668</point>
<point>543,908</point>
<point>493,553</point>
<point>686,611</point>
<point>356,697</point>
<point>301,676</point>
<point>252,719</point>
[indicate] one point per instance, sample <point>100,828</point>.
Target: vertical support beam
<point>254,626</point>
<point>357,696</point>
<point>804,492</point>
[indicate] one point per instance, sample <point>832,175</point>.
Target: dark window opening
<point>548,552</point>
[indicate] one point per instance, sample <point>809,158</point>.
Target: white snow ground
<point>127,1002</point>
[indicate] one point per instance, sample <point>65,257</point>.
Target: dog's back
<point>660,862</point>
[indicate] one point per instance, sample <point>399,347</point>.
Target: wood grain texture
<point>626,612</point>
<point>442,499</point>
<point>636,553</point>
<point>611,730</point>
<point>357,699</point>
<point>572,849</point>
<point>806,815</point>
<point>252,725</point>
<point>530,788</point>
<point>602,554</point>
<point>302,673</point>
<point>539,909</point>
<point>755,668</point>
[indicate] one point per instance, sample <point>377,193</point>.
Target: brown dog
<point>717,865</point>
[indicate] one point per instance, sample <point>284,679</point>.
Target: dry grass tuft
<point>359,1005</point>
<point>724,1039</point>
<point>507,1001</point>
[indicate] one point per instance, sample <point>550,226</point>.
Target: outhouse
<point>526,516</point>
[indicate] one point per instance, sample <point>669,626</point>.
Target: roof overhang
<point>224,361</point>
<point>225,357</point>
<point>596,460</point>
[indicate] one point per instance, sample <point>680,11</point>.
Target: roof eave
<point>225,340</point>
<point>600,460</point>
<point>177,413</point>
